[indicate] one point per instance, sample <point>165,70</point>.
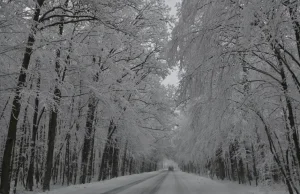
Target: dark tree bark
<point>221,168</point>
<point>288,181</point>
<point>51,136</point>
<point>255,174</point>
<point>115,161</point>
<point>110,160</point>
<point>87,137</point>
<point>124,159</point>
<point>55,170</point>
<point>248,174</point>
<point>67,159</point>
<point>142,170</point>
<point>21,149</point>
<point>74,164</point>
<point>71,166</point>
<point>51,143</point>
<point>241,171</point>
<point>29,181</point>
<point>107,153</point>
<point>227,166</point>
<point>12,128</point>
<point>293,7</point>
<point>290,116</point>
<point>91,161</point>
<point>130,166</point>
<point>233,163</point>
<point>54,111</point>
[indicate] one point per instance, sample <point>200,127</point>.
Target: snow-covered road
<point>161,182</point>
<point>164,183</point>
<point>182,183</point>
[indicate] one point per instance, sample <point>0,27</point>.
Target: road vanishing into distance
<point>163,183</point>
<point>160,182</point>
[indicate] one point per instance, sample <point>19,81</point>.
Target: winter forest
<point>82,98</point>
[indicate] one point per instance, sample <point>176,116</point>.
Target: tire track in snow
<point>124,187</point>
<point>181,187</point>
<point>156,185</point>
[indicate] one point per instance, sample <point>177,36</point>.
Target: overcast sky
<point>172,79</point>
<point>172,4</point>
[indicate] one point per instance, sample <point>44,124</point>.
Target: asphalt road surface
<point>174,182</point>
<point>160,182</point>
<point>164,183</point>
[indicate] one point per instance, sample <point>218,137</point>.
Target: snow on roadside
<point>99,187</point>
<point>192,183</point>
<point>209,186</point>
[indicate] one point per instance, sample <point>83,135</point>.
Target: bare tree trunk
<point>233,162</point>
<point>130,165</point>
<point>67,160</point>
<point>124,159</point>
<point>142,169</point>
<point>71,166</point>
<point>21,147</point>
<point>241,171</point>
<point>50,151</point>
<point>290,111</point>
<point>55,169</point>
<point>54,112</point>
<point>255,174</point>
<point>288,181</point>
<point>29,181</point>
<point>107,153</point>
<point>87,137</point>
<point>12,128</point>
<point>103,167</point>
<point>91,161</point>
<point>74,164</point>
<point>115,161</point>
<point>293,7</point>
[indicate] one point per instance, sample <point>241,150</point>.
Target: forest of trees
<point>81,97</point>
<point>239,90</point>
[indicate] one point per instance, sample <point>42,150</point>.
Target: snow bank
<point>209,186</point>
<point>100,187</point>
<point>177,182</point>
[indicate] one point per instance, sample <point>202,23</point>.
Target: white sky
<point>172,79</point>
<point>172,4</point>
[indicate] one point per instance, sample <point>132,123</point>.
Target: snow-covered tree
<point>239,89</point>
<point>81,93</point>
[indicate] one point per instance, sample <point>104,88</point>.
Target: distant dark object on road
<point>171,168</point>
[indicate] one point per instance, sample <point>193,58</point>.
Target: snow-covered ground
<point>103,186</point>
<point>161,182</point>
<point>196,184</point>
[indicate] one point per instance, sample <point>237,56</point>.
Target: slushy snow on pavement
<point>161,182</point>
